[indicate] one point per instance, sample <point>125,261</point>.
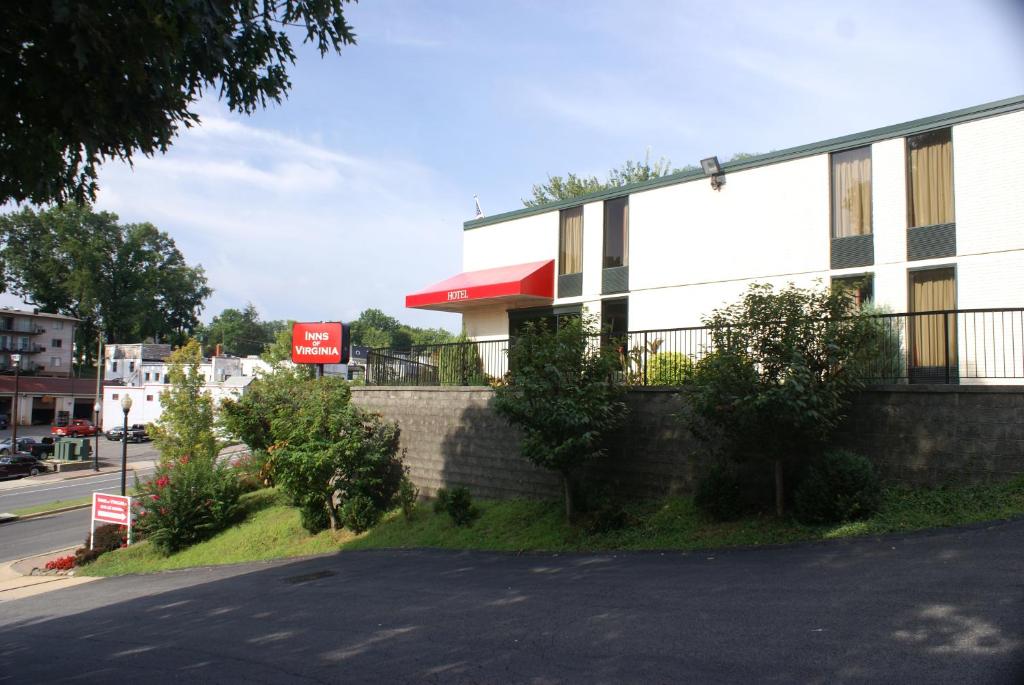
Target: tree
<point>561,391</point>
<point>239,332</point>
<point>88,82</point>
<point>571,186</point>
<point>185,428</point>
<point>374,328</point>
<point>128,280</point>
<point>784,368</point>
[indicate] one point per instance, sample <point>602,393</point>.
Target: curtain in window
<point>931,179</point>
<point>570,243</point>
<point>851,193</point>
<point>932,291</point>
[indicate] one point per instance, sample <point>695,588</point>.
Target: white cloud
<point>300,229</point>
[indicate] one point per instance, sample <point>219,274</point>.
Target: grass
<point>271,528</point>
<point>53,506</point>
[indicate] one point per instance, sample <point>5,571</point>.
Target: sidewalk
<point>15,583</point>
<point>105,468</point>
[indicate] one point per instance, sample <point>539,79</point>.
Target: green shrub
<point>329,454</point>
<point>359,513</point>
<point>719,493</point>
<point>407,496</point>
<point>840,486</point>
<point>186,501</point>
<point>669,368</point>
<point>458,504</point>
<point>600,507</point>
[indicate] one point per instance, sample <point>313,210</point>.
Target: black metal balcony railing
<point>973,345</point>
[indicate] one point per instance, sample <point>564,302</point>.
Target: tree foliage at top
<point>130,280</point>
<point>571,185</point>
<point>239,332</point>
<point>561,391</point>
<point>374,328</point>
<point>86,82</point>
<point>784,368</point>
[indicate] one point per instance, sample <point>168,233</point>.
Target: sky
<point>352,193</point>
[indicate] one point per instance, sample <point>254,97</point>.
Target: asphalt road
<point>930,608</point>
<point>21,539</point>
<point>41,492</point>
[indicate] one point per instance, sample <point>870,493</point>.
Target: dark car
<point>28,446</point>
<point>136,433</point>
<point>20,465</point>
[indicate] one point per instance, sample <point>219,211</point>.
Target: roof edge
<point>959,116</point>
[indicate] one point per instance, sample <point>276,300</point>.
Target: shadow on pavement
<point>929,609</point>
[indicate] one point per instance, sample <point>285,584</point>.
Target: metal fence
<point>954,346</point>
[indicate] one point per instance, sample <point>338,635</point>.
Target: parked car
<point>136,433</point>
<point>75,428</point>
<point>28,446</point>
<point>20,465</point>
<point>4,421</point>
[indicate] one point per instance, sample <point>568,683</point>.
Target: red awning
<point>517,286</point>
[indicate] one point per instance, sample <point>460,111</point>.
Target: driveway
<point>932,608</point>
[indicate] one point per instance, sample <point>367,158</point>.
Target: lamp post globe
<point>126,406</point>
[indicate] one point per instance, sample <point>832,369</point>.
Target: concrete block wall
<point>919,435</point>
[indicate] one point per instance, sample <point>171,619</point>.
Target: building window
<point>570,241</point>
<point>115,396</point>
<point>851,193</point>
<point>616,233</point>
<point>23,343</point>
<point>932,344</point>
<point>131,366</point>
<point>113,366</point>
<point>149,398</point>
<point>166,379</point>
<point>56,342</point>
<point>862,286</point>
<point>58,325</point>
<point>54,362</point>
<point>930,179</point>
<point>615,317</point>
<point>147,375</point>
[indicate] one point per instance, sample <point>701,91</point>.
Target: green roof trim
<point>959,116</point>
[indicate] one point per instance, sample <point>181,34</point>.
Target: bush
<point>669,368</point>
<point>187,501</point>
<point>407,496</point>
<point>340,465</point>
<point>841,486</point>
<point>105,538</point>
<point>719,493</point>
<point>255,471</point>
<point>601,508</point>
<point>458,504</point>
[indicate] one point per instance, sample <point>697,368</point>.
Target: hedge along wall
<point>922,435</point>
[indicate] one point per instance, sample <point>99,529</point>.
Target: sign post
<point>110,509</point>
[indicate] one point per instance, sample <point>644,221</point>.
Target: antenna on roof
<point>479,212</point>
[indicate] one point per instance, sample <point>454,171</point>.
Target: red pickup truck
<point>75,428</point>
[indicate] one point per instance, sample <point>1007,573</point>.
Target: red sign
<point>111,508</point>
<point>320,343</point>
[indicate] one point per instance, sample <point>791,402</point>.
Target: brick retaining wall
<point>916,434</point>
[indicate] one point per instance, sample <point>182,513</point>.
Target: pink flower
<point>163,481</point>
<point>184,460</point>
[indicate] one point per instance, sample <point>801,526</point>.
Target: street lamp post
<point>96,453</point>
<point>126,405</point>
<point>16,360</point>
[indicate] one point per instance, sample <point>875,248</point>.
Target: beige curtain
<point>931,181</point>
<point>570,241</point>
<point>851,193</point>
<point>932,291</point>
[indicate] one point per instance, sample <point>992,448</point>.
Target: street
<point>938,607</point>
<point>21,539</point>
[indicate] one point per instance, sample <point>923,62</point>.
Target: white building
<point>45,341</point>
<point>141,371</point>
<point>928,215</point>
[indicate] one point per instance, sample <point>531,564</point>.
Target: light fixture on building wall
<point>713,169</point>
